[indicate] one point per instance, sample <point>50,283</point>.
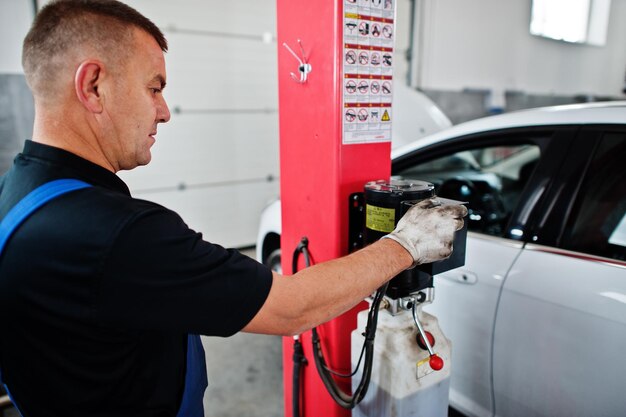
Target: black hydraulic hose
<point>298,363</point>
<point>346,400</point>
<point>299,360</point>
<point>303,247</point>
<point>326,374</point>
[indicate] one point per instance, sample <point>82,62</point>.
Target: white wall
<point>15,19</point>
<point>486,44</point>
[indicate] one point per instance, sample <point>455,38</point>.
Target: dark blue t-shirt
<point>98,291</point>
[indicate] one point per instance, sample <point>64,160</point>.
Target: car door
<point>560,332</point>
<point>498,173</point>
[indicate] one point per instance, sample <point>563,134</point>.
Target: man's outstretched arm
<point>317,294</point>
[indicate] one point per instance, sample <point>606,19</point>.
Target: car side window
<point>597,224</point>
<point>490,179</point>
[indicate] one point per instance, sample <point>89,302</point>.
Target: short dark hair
<point>66,25</point>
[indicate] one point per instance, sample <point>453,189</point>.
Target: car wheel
<point>273,261</point>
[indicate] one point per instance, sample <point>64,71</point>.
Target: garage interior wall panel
<point>16,117</point>
<point>236,17</point>
<point>222,213</point>
<point>207,72</point>
<point>486,44</point>
<point>212,162</point>
<point>15,19</point>
<point>196,150</point>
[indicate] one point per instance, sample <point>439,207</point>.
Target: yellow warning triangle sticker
<point>385,117</point>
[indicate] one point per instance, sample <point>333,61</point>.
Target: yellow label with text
<point>380,219</point>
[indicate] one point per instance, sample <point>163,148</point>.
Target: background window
<point>577,21</point>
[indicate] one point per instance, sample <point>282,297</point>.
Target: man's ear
<point>86,82</point>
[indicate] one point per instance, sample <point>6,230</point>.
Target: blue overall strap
<point>195,379</point>
<point>34,200</point>
<point>27,206</point>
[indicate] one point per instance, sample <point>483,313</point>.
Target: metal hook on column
<point>304,68</point>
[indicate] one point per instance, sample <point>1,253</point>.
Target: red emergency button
<point>420,340</point>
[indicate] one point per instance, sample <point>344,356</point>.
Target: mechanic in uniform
<point>99,290</point>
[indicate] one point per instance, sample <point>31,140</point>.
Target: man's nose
<point>163,112</point>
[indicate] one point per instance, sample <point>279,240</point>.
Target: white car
<point>537,316</point>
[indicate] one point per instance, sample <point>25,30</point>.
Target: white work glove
<point>427,229</point>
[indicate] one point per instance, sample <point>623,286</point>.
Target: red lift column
<point>335,133</point>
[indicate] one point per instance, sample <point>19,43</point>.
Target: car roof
<point>608,112</point>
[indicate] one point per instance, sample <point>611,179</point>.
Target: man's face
<point>135,105</point>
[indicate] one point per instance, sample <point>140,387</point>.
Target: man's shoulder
<point>115,202</point>
<point>108,213</point>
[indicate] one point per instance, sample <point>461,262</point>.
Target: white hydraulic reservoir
<point>403,383</point>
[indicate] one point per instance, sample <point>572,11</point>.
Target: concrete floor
<point>245,376</point>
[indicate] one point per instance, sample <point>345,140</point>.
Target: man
<point>98,290</point>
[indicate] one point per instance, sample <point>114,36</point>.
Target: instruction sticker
<point>380,219</point>
<point>368,42</point>
<point>423,368</point>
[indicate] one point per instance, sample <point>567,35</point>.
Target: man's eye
<point>155,90</point>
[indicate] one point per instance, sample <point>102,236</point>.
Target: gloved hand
<point>427,229</point>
